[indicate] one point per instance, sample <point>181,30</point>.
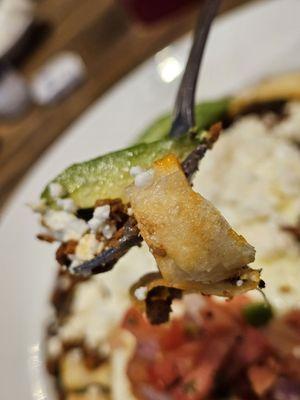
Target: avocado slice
<point>107,176</point>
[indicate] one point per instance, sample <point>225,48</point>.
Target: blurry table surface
<point>110,44</point>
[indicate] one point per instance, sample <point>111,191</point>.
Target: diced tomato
<point>186,356</point>
<point>174,336</point>
<point>217,320</point>
<point>135,323</point>
<point>168,336</point>
<point>292,319</point>
<point>185,391</point>
<point>174,365</point>
<point>198,383</point>
<point>183,360</point>
<point>137,370</point>
<point>163,373</point>
<point>262,377</point>
<point>252,347</point>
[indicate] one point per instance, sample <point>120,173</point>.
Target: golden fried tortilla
<point>189,238</point>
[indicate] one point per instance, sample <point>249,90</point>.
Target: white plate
<point>244,46</point>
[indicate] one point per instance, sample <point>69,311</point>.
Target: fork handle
<point>184,109</point>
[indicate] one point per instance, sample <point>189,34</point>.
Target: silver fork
<point>184,109</point>
<point>183,122</point>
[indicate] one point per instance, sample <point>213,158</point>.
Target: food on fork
<point>211,252</point>
<point>188,236</point>
<point>195,248</point>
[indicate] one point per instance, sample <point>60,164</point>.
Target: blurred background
<point>58,56</point>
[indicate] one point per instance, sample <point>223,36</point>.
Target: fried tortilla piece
<point>283,87</point>
<point>158,293</point>
<point>189,238</point>
<point>88,395</point>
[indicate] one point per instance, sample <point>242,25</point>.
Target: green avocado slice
<point>107,176</point>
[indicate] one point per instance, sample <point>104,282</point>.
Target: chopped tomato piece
<point>262,377</point>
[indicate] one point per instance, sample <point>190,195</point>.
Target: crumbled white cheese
<point>66,205</point>
<point>75,355</point>
<point>239,282</point>
<point>289,128</point>
<point>178,309</point>
<point>193,304</point>
<point>108,231</point>
<point>38,207</point>
<point>75,263</point>
<point>121,388</point>
<point>134,171</point>
<point>94,224</point>
<point>94,314</point>
<point>141,293</point>
<point>99,303</point>
<point>257,190</point>
<point>54,347</point>
<point>56,190</point>
<point>100,216</point>
<point>87,247</point>
<point>260,189</point>
<point>144,178</point>
<point>64,226</point>
<point>102,213</point>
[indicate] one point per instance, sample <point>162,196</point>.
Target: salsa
<point>215,353</point>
